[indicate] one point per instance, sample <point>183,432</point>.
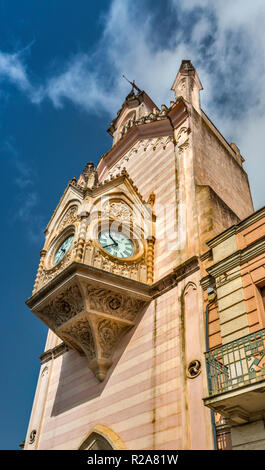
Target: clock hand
<point>113,239</point>
<point>112,244</point>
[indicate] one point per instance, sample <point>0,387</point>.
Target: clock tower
<point>118,283</point>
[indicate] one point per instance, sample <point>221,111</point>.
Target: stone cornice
<point>93,275</point>
<point>206,255</point>
<point>251,219</point>
<point>238,258</point>
<point>171,280</point>
<point>107,279</point>
<point>207,281</point>
<point>53,352</point>
<point>222,237</point>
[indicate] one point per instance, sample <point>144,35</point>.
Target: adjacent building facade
<point>236,365</point>
<point>147,266</point>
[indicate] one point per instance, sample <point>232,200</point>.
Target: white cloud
<point>12,68</point>
<point>26,206</point>
<point>226,42</point>
<point>79,83</point>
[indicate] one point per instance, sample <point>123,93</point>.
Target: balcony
<point>90,310</point>
<point>236,378</point>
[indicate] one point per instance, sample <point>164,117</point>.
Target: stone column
<point>150,260</point>
<point>40,268</point>
<point>81,238</point>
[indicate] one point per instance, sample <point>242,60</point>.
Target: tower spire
<point>89,176</point>
<point>188,84</point>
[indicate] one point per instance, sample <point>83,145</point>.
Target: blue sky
<point>61,67</point>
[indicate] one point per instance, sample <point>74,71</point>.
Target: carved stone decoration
<point>89,177</point>
<point>108,334</point>
<point>183,139</point>
<point>90,318</point>
<point>94,257</point>
<point>69,218</point>
<point>114,304</point>
<point>32,436</point>
<point>48,274</point>
<point>40,269</point>
<point>151,199</point>
<point>194,369</point>
<point>108,302</point>
<point>64,307</point>
<point>45,371</point>
<point>81,332</point>
<point>118,211</point>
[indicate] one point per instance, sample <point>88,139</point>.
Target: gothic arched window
<point>96,442</point>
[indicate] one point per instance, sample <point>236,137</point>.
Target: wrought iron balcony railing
<point>239,363</point>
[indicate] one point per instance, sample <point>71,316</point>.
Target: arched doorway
<point>96,442</point>
<point>102,438</point>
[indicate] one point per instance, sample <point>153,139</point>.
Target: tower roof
<point>132,100</point>
<point>188,84</point>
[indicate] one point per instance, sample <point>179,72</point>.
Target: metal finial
<point>132,83</point>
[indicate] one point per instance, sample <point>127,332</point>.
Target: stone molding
<point>53,353</point>
<point>237,259</point>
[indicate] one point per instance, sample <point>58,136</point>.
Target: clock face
<point>62,250</point>
<point>116,243</point>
